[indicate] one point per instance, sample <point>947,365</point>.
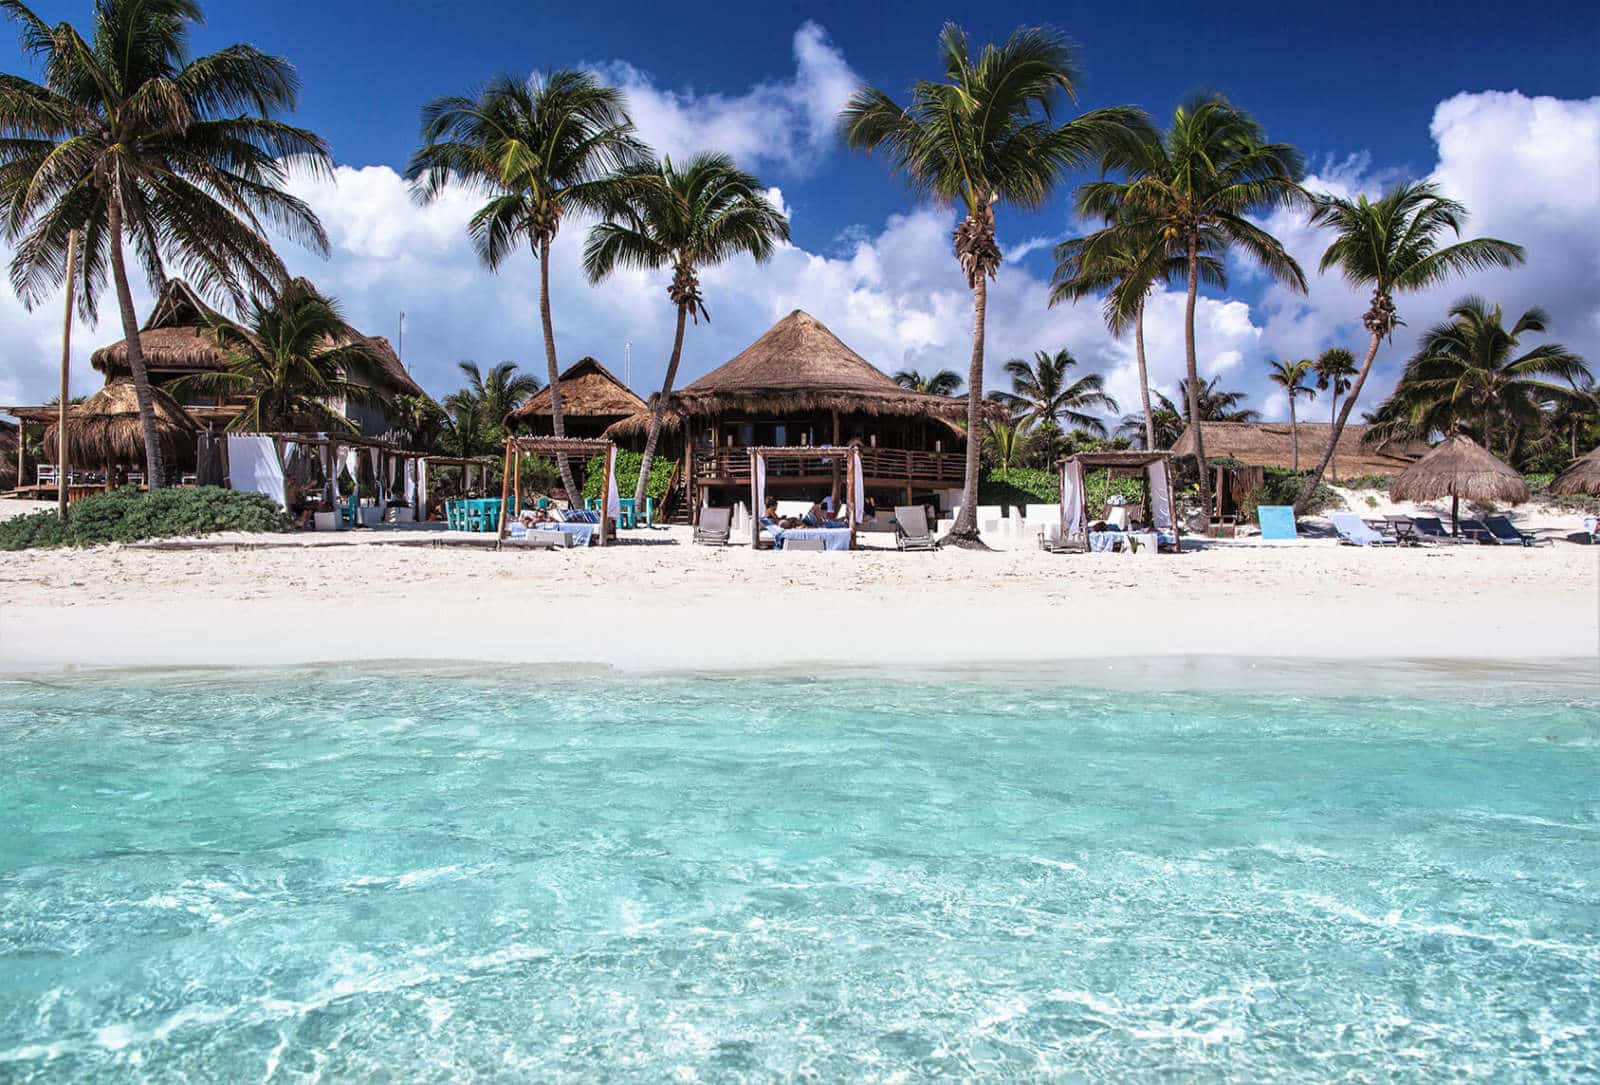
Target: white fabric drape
<point>858,499</point>
<point>1073,524</point>
<point>1160,496</point>
<point>411,483</point>
<point>613,495</point>
<point>422,489</point>
<point>254,467</point>
<point>760,480</point>
<point>377,475</point>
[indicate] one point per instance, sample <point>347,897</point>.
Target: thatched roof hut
<point>1270,444</point>
<point>105,427</point>
<point>176,340</point>
<point>592,399</point>
<point>1461,469</point>
<point>797,366</point>
<point>1582,476</point>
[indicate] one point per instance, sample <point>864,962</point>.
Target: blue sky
<point>1359,88</point>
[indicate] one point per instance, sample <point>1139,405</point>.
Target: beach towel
<point>254,467</point>
<point>1277,521</point>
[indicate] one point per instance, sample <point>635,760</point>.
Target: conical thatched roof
<point>1582,476</point>
<point>797,365</point>
<point>1459,467</point>
<point>105,427</point>
<point>588,390</point>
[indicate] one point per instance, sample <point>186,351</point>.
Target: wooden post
<point>605,501</point>
<point>836,465</point>
<point>505,484</point>
<point>1172,512</point>
<point>66,362</point>
<point>516,483</point>
<point>22,451</point>
<point>850,494</point>
<point>690,490</point>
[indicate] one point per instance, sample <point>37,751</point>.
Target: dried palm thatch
<point>1459,468</point>
<point>1271,444</point>
<point>105,427</point>
<point>1582,476</point>
<point>799,366</point>
<point>588,391</point>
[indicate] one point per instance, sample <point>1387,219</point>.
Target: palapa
<point>1461,469</point>
<point>1582,476</point>
<point>105,428</point>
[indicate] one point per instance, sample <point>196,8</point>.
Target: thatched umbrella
<point>105,428</point>
<point>1582,476</point>
<point>1457,468</point>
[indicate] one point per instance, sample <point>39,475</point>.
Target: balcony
<point>723,466</point>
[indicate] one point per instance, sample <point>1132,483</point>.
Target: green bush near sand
<point>628,476</point>
<point>1031,486</point>
<point>1364,482</point>
<point>126,515</point>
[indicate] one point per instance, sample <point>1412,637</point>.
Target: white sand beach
<point>656,601</point>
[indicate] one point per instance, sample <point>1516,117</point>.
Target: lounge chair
<point>1477,531</point>
<point>1507,533</point>
<point>712,530</point>
<point>1355,532</point>
<point>1430,529</point>
<point>911,531</point>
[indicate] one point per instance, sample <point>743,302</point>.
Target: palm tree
<point>1392,245</point>
<point>1292,377</point>
<point>130,138</point>
<point>1198,182</point>
<point>1467,375</point>
<point>495,394</point>
<point>704,214</point>
<point>1335,367</point>
<point>292,360</point>
<point>983,136</point>
<point>418,422</point>
<point>1009,443</point>
<point>538,150</point>
<point>1215,404</point>
<point>1126,259</point>
<point>466,435</point>
<point>1044,393</point>
<point>945,382</point>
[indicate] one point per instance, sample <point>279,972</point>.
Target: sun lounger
<point>911,528</point>
<point>1505,532</point>
<point>1430,529</point>
<point>1355,532</point>
<point>1477,531</point>
<point>712,530</point>
<point>790,545</point>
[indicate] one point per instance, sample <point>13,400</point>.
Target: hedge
<point>628,476</point>
<point>1031,486</point>
<point>126,515</point>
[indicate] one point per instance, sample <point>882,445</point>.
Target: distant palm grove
<point>134,159</point>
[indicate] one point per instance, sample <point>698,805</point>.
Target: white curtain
<point>377,475</point>
<point>422,489</point>
<point>411,483</point>
<point>1160,496</point>
<point>254,467</point>
<point>858,502</point>
<point>613,495</point>
<point>760,479</point>
<point>1072,515</point>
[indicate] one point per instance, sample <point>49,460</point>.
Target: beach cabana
<point>1161,502</point>
<point>105,430</point>
<point>1459,468</point>
<point>578,447</point>
<point>1582,476</point>
<point>848,460</point>
<point>592,400</point>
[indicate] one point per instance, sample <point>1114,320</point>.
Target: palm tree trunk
<point>1333,418</point>
<point>1194,376</point>
<point>1294,437</point>
<point>655,414</point>
<point>558,423</point>
<point>1144,380</point>
<point>964,532</point>
<point>154,469</point>
<point>1311,484</point>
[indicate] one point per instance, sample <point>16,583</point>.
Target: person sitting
<point>769,516</point>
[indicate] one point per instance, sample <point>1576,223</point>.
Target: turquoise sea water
<point>362,875</point>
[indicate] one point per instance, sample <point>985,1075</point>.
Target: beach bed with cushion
<point>1505,533</point>
<point>911,531</point>
<point>826,538</point>
<point>712,530</point>
<point>1354,531</point>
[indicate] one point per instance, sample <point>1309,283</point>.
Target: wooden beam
<point>505,481</point>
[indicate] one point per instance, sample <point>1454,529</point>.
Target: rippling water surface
<point>356,875</point>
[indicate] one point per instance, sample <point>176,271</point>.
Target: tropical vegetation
<point>132,140</point>
<point>1044,392</point>
<point>982,136</point>
<point>1294,378</point>
<point>1335,369</point>
<point>127,515</point>
<point>943,382</point>
<point>704,214</point>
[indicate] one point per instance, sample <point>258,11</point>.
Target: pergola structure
<point>1157,468</point>
<point>511,482</point>
<point>846,456</point>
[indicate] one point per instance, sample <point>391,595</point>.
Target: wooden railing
<point>885,464</point>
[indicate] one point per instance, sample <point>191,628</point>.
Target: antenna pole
<point>400,351</point>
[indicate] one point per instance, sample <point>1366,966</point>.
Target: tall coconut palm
<point>496,393</point>
<point>1043,392</point>
<point>685,219</point>
<point>1392,245</point>
<point>1468,375</point>
<point>293,361</point>
<point>1294,378</point>
<point>132,139</point>
<point>984,136</point>
<point>1127,259</point>
<point>1215,404</point>
<point>945,382</point>
<point>539,150</point>
<point>1335,367</point>
<point>1201,179</point>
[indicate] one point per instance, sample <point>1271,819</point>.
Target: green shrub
<point>1281,486</point>
<point>1030,486</point>
<point>1367,482</point>
<point>127,515</point>
<point>628,464</point>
